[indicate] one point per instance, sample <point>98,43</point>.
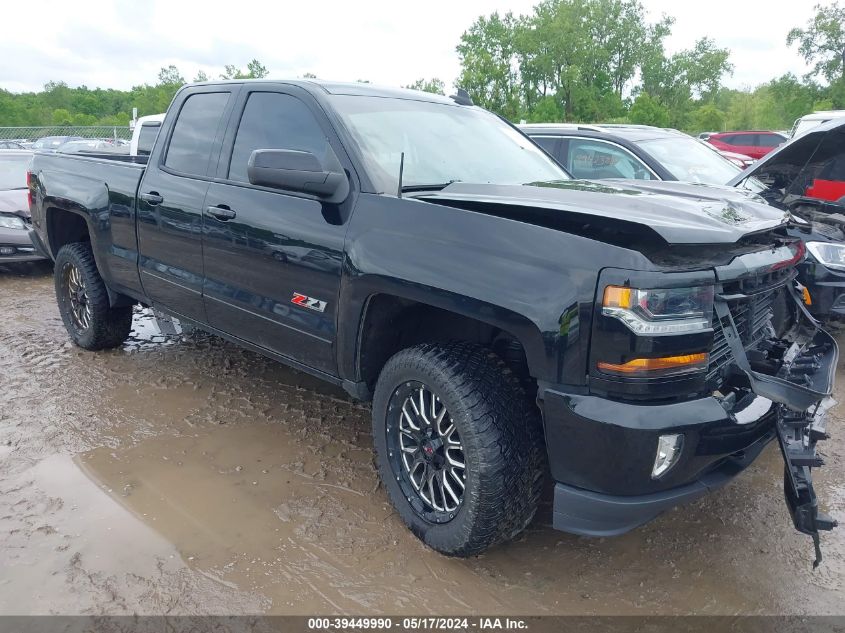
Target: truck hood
<point>680,213</point>
<point>794,153</point>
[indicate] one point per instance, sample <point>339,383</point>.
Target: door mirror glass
<point>298,170</point>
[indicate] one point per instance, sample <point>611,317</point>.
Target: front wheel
<point>459,447</point>
<point>84,303</point>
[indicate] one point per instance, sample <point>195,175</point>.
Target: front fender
<point>536,283</point>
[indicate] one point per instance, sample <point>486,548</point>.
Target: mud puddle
<point>183,475</point>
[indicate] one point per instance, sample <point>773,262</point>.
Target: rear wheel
<point>459,447</point>
<point>84,303</point>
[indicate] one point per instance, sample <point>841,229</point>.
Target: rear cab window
<point>194,133</point>
<point>147,137</point>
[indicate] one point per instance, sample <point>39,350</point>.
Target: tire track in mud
<point>181,474</point>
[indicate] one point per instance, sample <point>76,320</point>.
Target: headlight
<point>662,311</point>
<point>11,222</point>
<point>828,253</point>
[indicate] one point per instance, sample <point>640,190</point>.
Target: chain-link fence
<point>26,135</point>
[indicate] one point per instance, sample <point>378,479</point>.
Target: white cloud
<point>119,44</point>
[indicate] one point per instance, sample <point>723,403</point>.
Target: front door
<point>170,205</point>
<point>273,259</point>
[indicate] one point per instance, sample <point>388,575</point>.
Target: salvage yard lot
<point>181,474</point>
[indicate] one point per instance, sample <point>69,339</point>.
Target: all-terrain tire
<point>103,327</point>
<point>502,444</point>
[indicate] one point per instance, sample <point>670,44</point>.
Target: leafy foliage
<point>434,85</point>
<point>59,104</point>
<point>572,60</point>
<point>602,60</point>
<point>822,42</point>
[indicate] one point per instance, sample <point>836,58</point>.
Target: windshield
<point>689,160</point>
<point>442,143</point>
<point>13,171</point>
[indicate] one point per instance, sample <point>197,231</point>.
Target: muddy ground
<point>182,475</point>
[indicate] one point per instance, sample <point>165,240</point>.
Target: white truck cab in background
<point>809,121</point>
<point>144,134</point>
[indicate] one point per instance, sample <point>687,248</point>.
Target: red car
<point>753,144</point>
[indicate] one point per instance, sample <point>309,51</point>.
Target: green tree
<point>170,76</point>
<point>434,85</point>
<point>62,117</point>
<point>822,42</point>
<point>648,111</point>
<point>488,64</point>
<point>201,76</point>
<point>256,70</point>
<point>676,81</point>
<point>708,117</point>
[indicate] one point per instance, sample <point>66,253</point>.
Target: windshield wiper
<point>432,187</point>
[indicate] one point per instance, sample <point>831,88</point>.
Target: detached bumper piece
<point>805,378</point>
<point>798,434</point>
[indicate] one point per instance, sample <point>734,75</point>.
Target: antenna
<point>401,170</point>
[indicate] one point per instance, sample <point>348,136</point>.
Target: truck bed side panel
<point>103,193</point>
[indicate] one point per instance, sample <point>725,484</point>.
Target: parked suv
<point>755,144</point>
<point>505,320</point>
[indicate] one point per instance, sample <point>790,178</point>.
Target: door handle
<point>152,198</point>
<point>221,212</point>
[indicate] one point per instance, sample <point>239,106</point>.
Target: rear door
<point>171,198</point>
<point>272,258</point>
<point>746,144</point>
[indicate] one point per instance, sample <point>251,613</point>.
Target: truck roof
<point>341,88</point>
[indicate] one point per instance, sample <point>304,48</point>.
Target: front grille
<point>753,319</point>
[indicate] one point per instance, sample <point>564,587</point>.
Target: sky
<point>123,43</point>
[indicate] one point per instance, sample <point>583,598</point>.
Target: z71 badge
<point>308,302</point>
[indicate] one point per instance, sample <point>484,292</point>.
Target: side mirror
<point>301,171</point>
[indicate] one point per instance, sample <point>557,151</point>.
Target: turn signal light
<point>663,366</point>
<point>617,297</point>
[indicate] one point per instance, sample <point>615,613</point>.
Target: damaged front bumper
<point>601,450</point>
<point>807,369</point>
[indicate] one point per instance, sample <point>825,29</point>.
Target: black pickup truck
<point>506,321</point>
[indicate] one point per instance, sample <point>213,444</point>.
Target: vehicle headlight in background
<point>830,254</point>
<point>661,311</point>
<point>11,222</point>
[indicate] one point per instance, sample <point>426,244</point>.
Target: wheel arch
<point>388,321</point>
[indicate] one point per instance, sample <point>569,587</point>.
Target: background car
<point>10,145</point>
<point>91,146</point>
<point>740,160</point>
<point>807,178</point>
<point>639,152</point>
<point>53,142</point>
<point>15,243</point>
<point>755,144</point>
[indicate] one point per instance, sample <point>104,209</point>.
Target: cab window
<point>193,135</point>
<point>272,120</point>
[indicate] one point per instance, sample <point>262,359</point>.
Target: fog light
<point>7,250</point>
<point>668,451</point>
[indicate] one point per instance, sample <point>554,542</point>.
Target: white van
<point>809,121</point>
<point>144,134</point>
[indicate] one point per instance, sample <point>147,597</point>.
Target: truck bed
<point>102,188</point>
